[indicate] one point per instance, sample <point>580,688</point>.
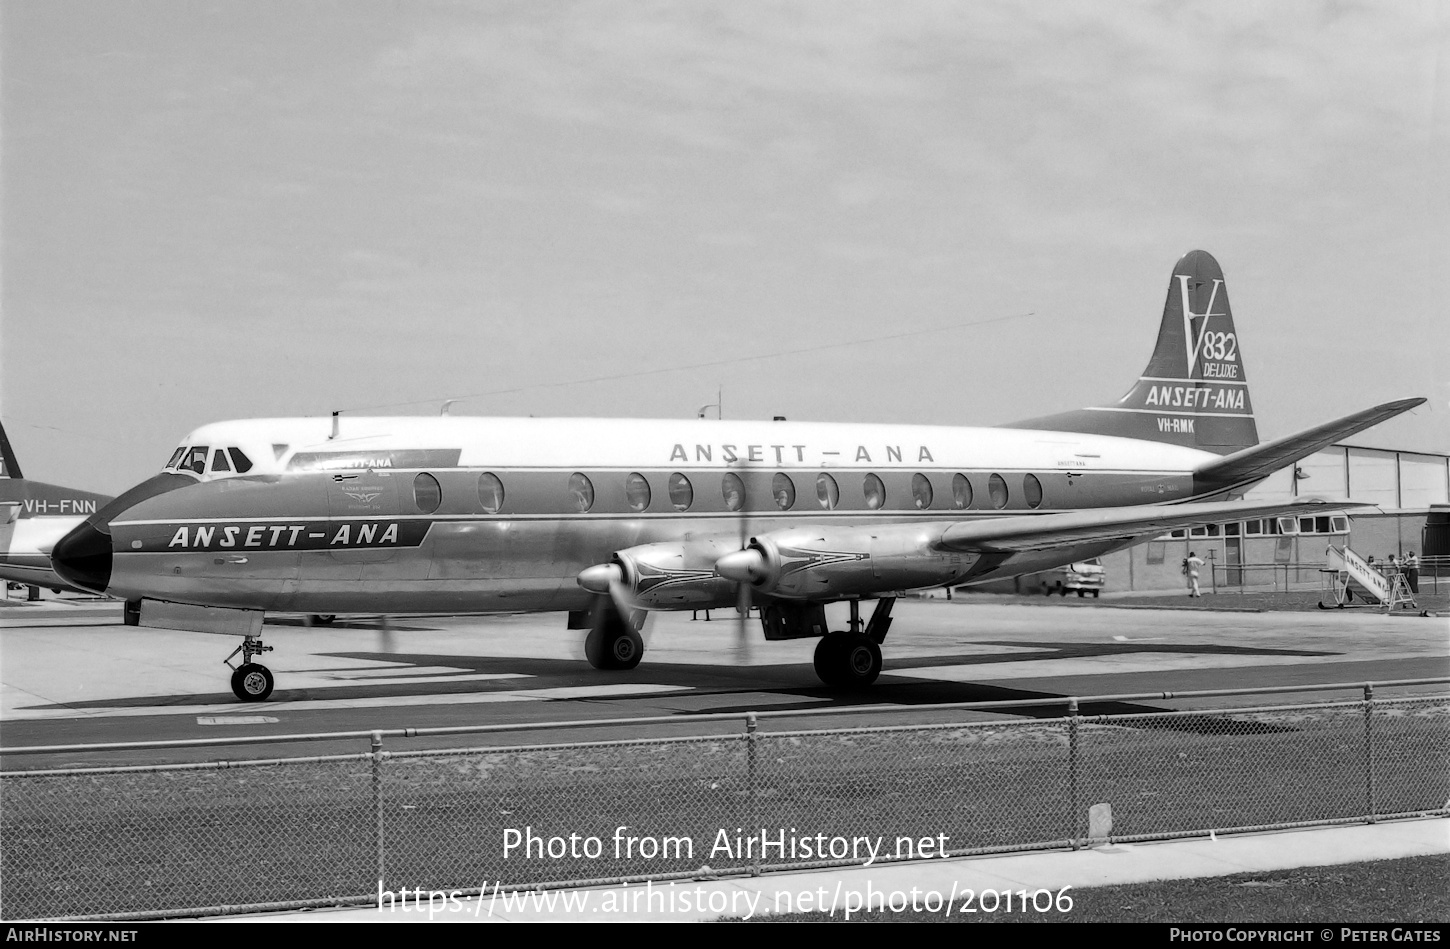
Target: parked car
<point>1087,576</point>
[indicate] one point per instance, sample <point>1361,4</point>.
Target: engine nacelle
<point>817,564</point>
<point>668,576</point>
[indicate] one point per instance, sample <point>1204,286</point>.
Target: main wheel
<point>615,647</point>
<point>848,660</point>
<point>323,619</point>
<point>252,682</point>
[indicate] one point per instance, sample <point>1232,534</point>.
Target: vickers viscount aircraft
<point>607,518</point>
<point>33,516</point>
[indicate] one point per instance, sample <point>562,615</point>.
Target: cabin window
<point>427,493</point>
<point>581,491</point>
<point>1032,490</point>
<point>241,462</point>
<point>921,491</point>
<point>997,491</point>
<point>783,490</point>
<point>636,491</point>
<point>733,490</point>
<point>828,493</point>
<point>219,460</point>
<point>682,493</point>
<point>196,460</point>
<point>961,492</point>
<point>874,490</point>
<point>490,493</point>
<point>176,456</point>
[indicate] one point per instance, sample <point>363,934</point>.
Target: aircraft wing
<point>1258,462</point>
<point>1045,531</point>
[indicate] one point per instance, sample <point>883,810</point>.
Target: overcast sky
<point>947,213</point>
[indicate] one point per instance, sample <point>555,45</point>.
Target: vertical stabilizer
<point>1193,392</point>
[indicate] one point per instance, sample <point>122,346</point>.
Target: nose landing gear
<point>251,681</point>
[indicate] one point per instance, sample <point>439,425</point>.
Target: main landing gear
<point>251,681</point>
<point>851,658</point>
<point>613,642</point>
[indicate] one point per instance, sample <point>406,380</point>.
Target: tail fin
<point>1193,392</point>
<point>9,467</point>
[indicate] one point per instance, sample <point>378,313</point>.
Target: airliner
<point>606,519</point>
<point>33,516</point>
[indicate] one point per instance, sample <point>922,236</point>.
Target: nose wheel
<point>251,681</point>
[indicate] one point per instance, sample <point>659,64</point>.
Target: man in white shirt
<point>1191,563</point>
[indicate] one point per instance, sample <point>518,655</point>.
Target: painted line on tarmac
<point>381,701</point>
<point>1100,665</point>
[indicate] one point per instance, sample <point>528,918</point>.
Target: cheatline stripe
<point>877,518</point>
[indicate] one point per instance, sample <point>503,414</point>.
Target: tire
<point>614,646</point>
<point>252,682</point>
<point>826,661</point>
<point>131,613</point>
<point>1080,594</point>
<point>848,660</point>
<point>1095,594</point>
<point>1062,591</point>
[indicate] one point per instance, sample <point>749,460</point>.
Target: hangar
<point>1411,490</point>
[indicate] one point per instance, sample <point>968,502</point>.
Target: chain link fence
<point>248,835</point>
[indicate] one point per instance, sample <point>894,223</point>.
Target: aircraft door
<point>1233,558</point>
<point>361,504</point>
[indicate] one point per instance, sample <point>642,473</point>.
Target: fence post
<point>1369,795</point>
<point>1074,804</point>
<point>378,802</point>
<point>751,818</point>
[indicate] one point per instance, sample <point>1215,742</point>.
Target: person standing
<point>1191,563</point>
<point>1412,573</point>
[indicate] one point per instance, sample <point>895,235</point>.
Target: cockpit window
<point>242,463</point>
<point>176,456</point>
<point>195,459</point>
<point>219,461</point>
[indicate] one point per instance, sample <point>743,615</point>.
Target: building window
<point>783,490</point>
<point>1253,528</point>
<point>828,493</point>
<point>1032,490</point>
<point>682,493</point>
<point>734,491</point>
<point>490,493</point>
<point>581,491</point>
<point>1338,524</point>
<point>997,491</point>
<point>961,492</point>
<point>874,491</point>
<point>426,493</point>
<point>636,492</point>
<point>921,491</point>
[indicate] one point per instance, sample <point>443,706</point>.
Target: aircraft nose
<point>83,557</point>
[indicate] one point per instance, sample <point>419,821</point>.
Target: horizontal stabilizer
<point>1258,462</point>
<point>1045,531</point>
